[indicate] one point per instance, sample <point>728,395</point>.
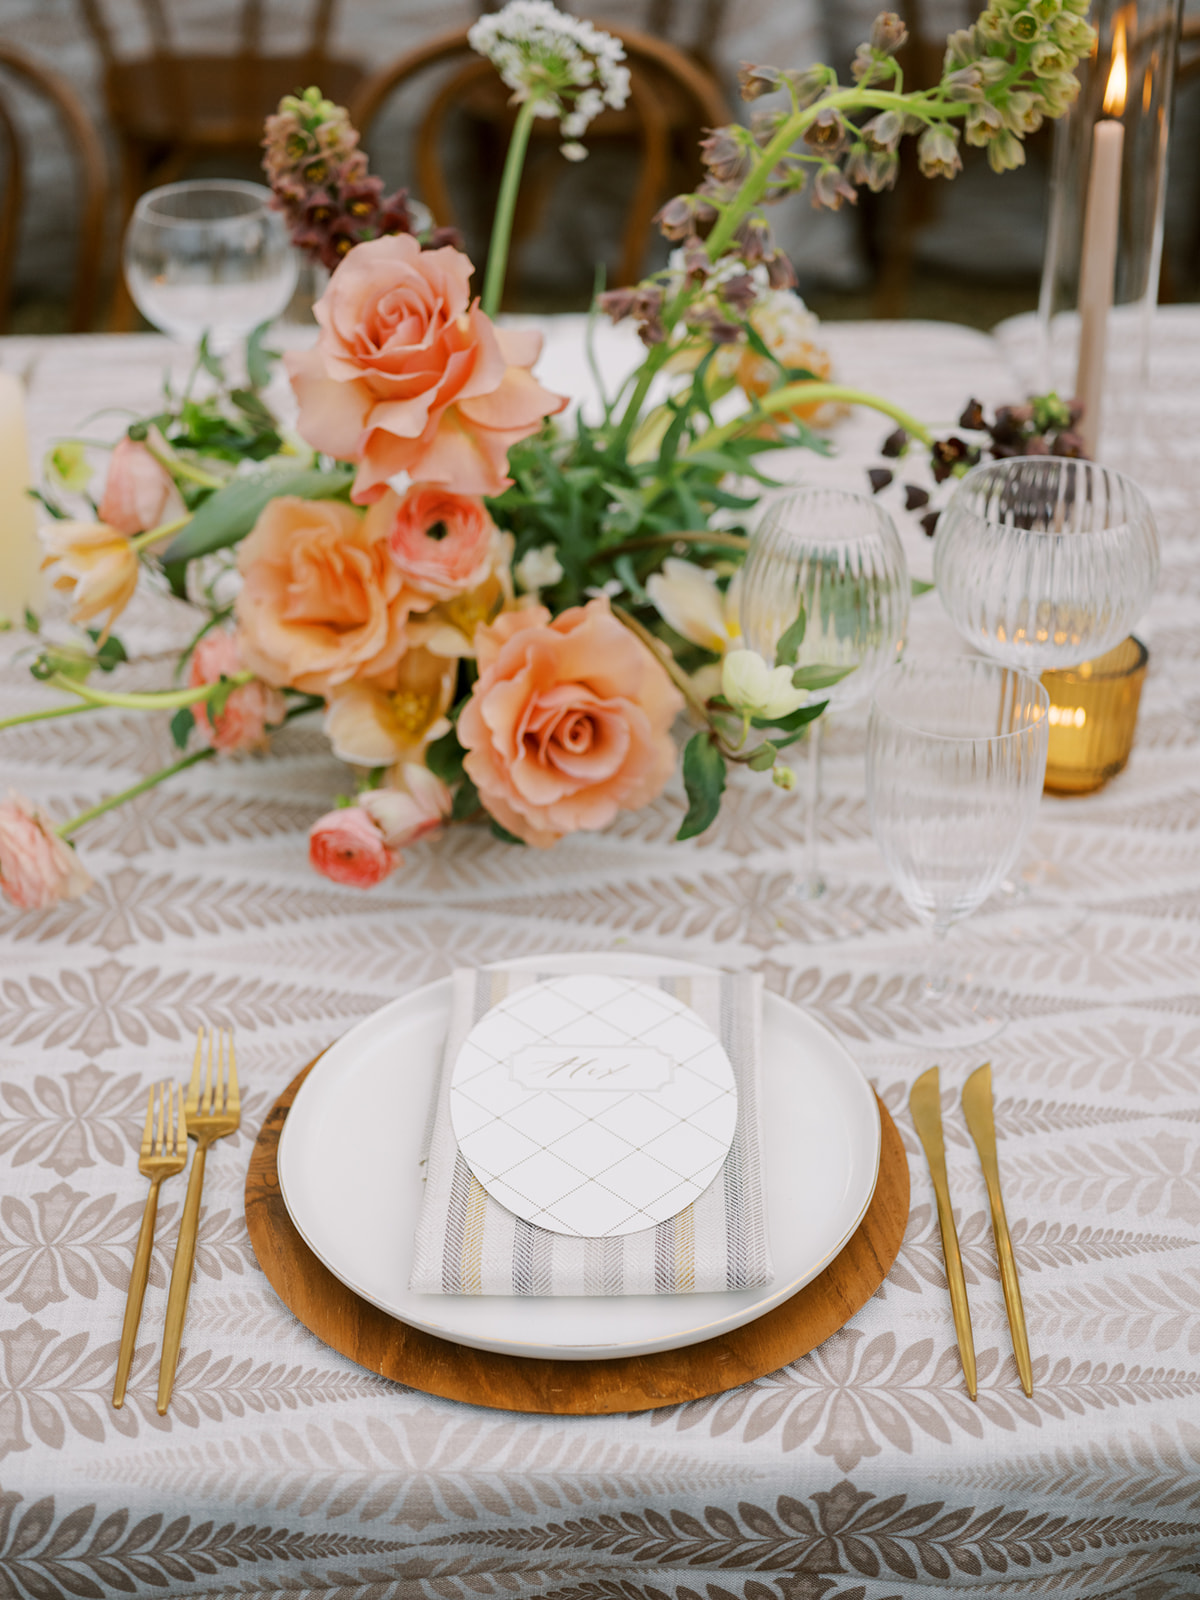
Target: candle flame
<point>1118,78</point>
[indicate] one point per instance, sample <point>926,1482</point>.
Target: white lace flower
<point>538,569</point>
<point>563,65</point>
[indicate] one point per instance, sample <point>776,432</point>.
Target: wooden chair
<point>671,101</point>
<point>84,139</point>
<point>169,107</point>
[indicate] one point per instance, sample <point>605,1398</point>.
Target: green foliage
<point>444,758</point>
<point>790,641</point>
<point>466,801</point>
<point>503,834</point>
<point>259,360</point>
<point>818,677</point>
<point>111,653</point>
<point>704,780</point>
<point>182,724</point>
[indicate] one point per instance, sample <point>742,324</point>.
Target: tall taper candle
<point>1098,262</point>
<point>20,553</point>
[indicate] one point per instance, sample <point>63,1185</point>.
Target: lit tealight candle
<point>20,553</point>
<point>1098,263</point>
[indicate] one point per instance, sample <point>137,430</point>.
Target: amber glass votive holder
<point>1093,714</point>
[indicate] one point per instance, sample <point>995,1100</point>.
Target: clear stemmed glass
<point>209,256</point>
<point>838,556</point>
<point>956,757</point>
<point>1042,563</point>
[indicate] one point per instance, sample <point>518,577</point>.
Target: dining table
<point>861,1471</point>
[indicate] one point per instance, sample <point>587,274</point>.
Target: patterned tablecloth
<point>859,1473</point>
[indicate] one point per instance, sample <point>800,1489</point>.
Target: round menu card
<point>593,1105</point>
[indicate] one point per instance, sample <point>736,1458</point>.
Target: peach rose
<point>322,601</point>
<point>568,723</point>
<point>348,846</point>
<point>441,542</point>
<point>252,707</point>
<point>95,564</point>
<point>37,868</point>
<point>139,492</point>
<point>408,375</point>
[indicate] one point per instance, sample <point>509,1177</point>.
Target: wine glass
<point>838,556</point>
<point>209,256</point>
<point>1044,562</point>
<point>956,758</point>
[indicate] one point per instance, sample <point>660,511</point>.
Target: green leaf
<point>111,653</point>
<point>31,622</point>
<point>793,720</point>
<point>217,701</point>
<point>920,587</point>
<point>259,360</point>
<point>182,724</point>
<point>818,677</point>
<point>211,362</point>
<point>790,641</point>
<point>444,758</point>
<point>466,801</point>
<point>704,779</point>
<point>230,513</point>
<point>249,404</point>
<point>762,759</point>
<point>503,833</point>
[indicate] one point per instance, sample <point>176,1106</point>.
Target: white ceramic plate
<point>350,1174</point>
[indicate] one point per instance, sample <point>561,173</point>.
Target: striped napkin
<point>468,1243</point>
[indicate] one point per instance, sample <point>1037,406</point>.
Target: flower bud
<point>806,88</point>
<point>1023,112</point>
<point>984,123</point>
<point>937,153</point>
<point>965,85</point>
<point>888,33</point>
<point>764,125</point>
<point>783,778</point>
<point>1047,61</point>
<point>883,131</point>
<point>754,240</point>
<point>780,272</point>
<point>827,132</point>
<point>617,303</point>
<point>962,49</point>
<point>1025,27</point>
<point>831,189</point>
<point>755,81</point>
<point>740,292</point>
<point>724,156</point>
<point>1005,152</point>
<point>675,218</point>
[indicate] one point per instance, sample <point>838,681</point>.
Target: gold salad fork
<point>212,1112</point>
<point>163,1154</point>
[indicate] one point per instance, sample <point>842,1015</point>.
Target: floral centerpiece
<point>501,609</point>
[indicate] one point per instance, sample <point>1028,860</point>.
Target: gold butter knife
<point>977,1108</point>
<point>925,1103</point>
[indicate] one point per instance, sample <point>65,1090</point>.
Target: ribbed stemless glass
<point>956,756</point>
<point>1044,562</point>
<point>839,556</point>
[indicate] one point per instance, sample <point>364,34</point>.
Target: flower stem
<point>45,714</point>
<point>68,828</point>
<point>506,204</point>
<point>653,541</point>
<point>807,393</point>
<point>140,541</point>
<point>156,700</point>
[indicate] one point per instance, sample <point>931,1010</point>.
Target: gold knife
<point>977,1108</point>
<point>925,1103</point>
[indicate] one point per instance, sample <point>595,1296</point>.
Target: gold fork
<point>163,1154</point>
<point>211,1114</point>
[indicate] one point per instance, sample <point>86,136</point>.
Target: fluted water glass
<point>956,758</point>
<point>1044,562</point>
<point>837,556</point>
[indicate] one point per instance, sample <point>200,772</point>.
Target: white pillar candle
<point>20,552</point>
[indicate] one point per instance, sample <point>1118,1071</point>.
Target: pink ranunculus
<point>37,868</point>
<point>408,375</point>
<point>419,805</point>
<point>139,492</point>
<point>250,709</point>
<point>568,723</point>
<point>348,846</point>
<point>441,542</point>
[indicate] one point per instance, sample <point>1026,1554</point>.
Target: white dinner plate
<point>350,1174</point>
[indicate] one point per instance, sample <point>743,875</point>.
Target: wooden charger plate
<point>356,1328</point>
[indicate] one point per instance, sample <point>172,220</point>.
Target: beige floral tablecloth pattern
<point>861,1472</point>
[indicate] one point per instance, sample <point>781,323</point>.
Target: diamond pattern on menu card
<point>593,1105</point>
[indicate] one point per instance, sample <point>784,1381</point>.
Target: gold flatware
<point>212,1113</point>
<point>925,1103</point>
<point>977,1108</point>
<point>163,1154</point>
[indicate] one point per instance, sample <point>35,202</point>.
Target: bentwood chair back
<point>83,138</point>
<point>170,105</point>
<point>671,100</point>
